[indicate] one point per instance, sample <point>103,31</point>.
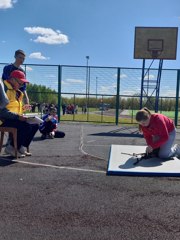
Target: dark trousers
<point>47,128</point>
<point>25,131</point>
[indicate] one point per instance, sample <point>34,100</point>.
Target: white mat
<point>121,164</point>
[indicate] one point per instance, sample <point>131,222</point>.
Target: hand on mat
<point>149,149</point>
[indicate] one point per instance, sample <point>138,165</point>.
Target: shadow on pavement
<point>115,134</point>
<point>6,161</point>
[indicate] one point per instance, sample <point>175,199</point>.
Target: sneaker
<point>24,152</point>
<point>28,154</point>
<point>10,150</point>
<point>51,135</point>
<point>177,150</point>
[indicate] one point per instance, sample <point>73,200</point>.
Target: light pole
<point>96,86</point>
<point>87,78</point>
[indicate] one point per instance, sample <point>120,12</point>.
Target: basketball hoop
<point>155,54</point>
<point>155,43</point>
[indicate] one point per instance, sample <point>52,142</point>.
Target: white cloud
<point>38,55</point>
<point>65,83</point>
<point>74,80</point>
<point>128,92</point>
<point>121,76</point>
<point>149,77</point>
<point>4,4</point>
<point>29,69</point>
<point>105,89</point>
<point>47,35</point>
<point>51,76</point>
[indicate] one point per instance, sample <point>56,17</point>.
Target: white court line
<point>91,141</point>
<point>64,167</point>
<point>82,144</point>
<point>58,167</point>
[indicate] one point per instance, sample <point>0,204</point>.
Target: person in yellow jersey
<point>15,95</point>
<point>11,109</point>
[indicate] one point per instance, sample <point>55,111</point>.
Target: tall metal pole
<point>96,86</point>
<point>142,84</point>
<point>177,98</point>
<point>59,91</point>
<point>87,77</point>
<point>117,95</point>
<point>158,85</point>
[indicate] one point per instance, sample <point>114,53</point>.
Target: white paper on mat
<point>34,120</point>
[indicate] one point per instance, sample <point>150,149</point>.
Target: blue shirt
<point>53,120</point>
<point>7,71</point>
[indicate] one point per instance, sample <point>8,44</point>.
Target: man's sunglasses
<point>19,82</point>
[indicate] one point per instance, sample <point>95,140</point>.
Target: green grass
<point>95,118</point>
<point>170,114</point>
<point>88,117</point>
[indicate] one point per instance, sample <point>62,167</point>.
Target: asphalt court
<point>63,192</point>
<point>81,140</point>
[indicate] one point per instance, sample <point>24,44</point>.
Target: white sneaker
<point>177,150</point>
<point>51,135</point>
<point>24,152</point>
<point>10,150</point>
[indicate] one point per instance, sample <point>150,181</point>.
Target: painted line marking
<point>82,145</point>
<point>91,141</point>
<point>57,167</point>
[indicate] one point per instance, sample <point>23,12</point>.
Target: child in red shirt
<point>159,132</point>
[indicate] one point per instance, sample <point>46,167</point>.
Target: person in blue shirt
<point>19,59</point>
<point>49,126</point>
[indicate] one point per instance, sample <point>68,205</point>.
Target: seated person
<point>14,94</point>
<point>11,114</point>
<point>49,127</point>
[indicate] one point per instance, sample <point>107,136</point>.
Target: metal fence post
<point>117,96</point>
<point>59,91</point>
<point>177,98</point>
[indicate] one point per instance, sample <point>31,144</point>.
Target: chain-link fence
<point>99,94</point>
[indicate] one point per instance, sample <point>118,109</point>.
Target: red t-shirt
<point>158,130</point>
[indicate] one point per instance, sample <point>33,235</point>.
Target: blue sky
<point>66,31</point>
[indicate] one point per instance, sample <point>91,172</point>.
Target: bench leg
<point>1,141</point>
<point>15,143</point>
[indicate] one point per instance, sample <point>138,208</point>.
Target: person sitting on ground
<point>8,118</point>
<point>159,132</point>
<point>49,127</point>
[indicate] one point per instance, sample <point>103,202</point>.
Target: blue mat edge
<point>140,174</point>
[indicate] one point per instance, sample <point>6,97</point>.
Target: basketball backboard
<point>155,43</point>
